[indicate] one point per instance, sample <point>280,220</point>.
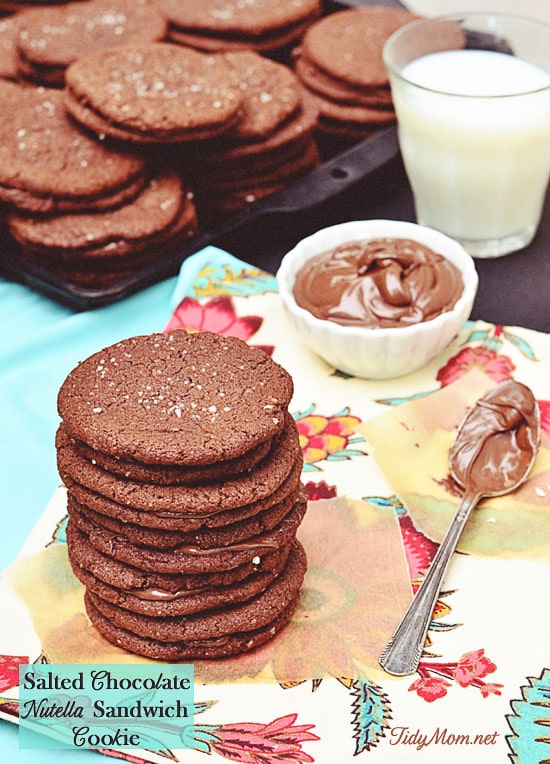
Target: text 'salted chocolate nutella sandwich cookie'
<point>96,248</point>
<point>49,164</point>
<point>153,93</point>
<point>50,39</point>
<point>220,25</point>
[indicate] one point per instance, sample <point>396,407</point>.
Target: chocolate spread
<point>378,283</point>
<point>263,541</point>
<point>162,595</point>
<point>498,439</point>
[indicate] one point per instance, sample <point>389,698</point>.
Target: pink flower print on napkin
<point>218,315</point>
<point>498,367</point>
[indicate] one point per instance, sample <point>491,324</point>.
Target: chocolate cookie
<point>340,92</point>
<point>50,39</point>
<point>157,602</point>
<point>178,569</point>
<point>356,120</point>
<point>14,6</point>
<point>262,25</point>
<point>205,649</point>
<point>217,633</point>
<point>164,474</point>
<point>192,558</point>
<point>153,93</point>
<point>194,500</point>
<point>229,193</point>
<point>271,90</point>
<point>124,577</point>
<point>176,398</point>
<point>179,521</point>
<point>48,164</point>
<point>227,620</point>
<point>361,34</point>
<point>91,246</point>
<point>166,538</point>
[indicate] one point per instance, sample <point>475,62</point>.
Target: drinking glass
<point>472,97</point>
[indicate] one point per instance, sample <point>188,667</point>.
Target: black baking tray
<point>255,234</point>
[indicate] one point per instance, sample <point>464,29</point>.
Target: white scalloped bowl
<point>377,353</point>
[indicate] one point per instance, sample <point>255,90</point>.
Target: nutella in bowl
<point>384,282</point>
<point>377,298</point>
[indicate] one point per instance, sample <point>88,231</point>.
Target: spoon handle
<point>401,655</point>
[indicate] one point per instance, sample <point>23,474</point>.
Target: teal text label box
<point>116,706</point>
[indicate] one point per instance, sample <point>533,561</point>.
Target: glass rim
<point>396,72</point>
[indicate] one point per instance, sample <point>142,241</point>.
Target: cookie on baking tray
<point>100,247</point>
<point>48,164</point>
<point>153,93</point>
<point>216,25</point>
<point>218,548</point>
<point>52,38</point>
<point>340,61</point>
<point>270,146</point>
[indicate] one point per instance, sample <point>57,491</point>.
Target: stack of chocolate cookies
<point>238,125</point>
<point>339,61</point>
<point>271,145</point>
<point>182,466</point>
<point>81,207</point>
<point>104,102</point>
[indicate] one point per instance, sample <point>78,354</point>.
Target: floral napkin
<point>316,694</point>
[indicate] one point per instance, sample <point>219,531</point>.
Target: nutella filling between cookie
<point>383,282</point>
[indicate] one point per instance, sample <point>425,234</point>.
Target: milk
<point>477,153</point>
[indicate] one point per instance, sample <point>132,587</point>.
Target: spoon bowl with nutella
<point>493,453</point>
<point>377,298</point>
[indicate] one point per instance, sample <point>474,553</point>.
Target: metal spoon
<point>492,454</point>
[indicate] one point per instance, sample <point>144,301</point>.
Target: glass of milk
<point>472,98</point>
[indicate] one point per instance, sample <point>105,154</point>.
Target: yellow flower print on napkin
<point>411,445</point>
